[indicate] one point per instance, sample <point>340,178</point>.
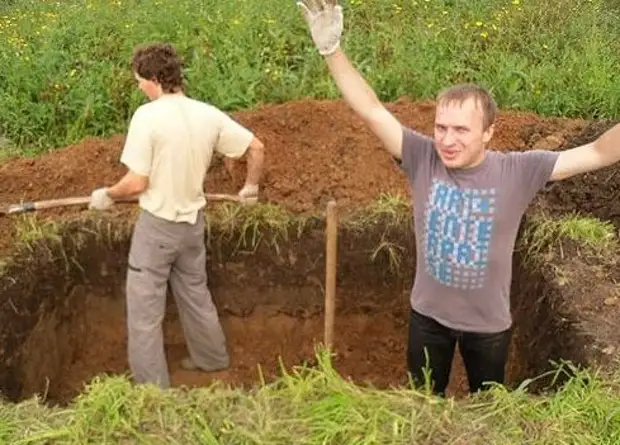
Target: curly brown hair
<point>160,62</point>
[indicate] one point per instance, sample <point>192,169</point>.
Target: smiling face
<point>463,127</point>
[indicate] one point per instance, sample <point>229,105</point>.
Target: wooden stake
<point>330,272</point>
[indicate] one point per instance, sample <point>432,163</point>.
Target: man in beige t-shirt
<point>168,150</point>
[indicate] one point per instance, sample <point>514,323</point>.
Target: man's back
<point>183,134</point>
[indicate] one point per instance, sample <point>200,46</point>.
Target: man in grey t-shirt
<point>468,205</point>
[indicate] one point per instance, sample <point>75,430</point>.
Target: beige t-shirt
<point>171,140</point>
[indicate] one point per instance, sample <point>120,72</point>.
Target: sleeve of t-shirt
<point>138,150</point>
<point>233,138</point>
<point>532,170</point>
<point>415,149</point>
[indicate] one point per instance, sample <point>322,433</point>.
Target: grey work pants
<point>162,251</point>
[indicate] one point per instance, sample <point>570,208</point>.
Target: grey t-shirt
<point>466,222</point>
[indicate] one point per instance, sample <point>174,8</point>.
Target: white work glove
<point>100,199</point>
<point>249,193</point>
<point>326,22</point>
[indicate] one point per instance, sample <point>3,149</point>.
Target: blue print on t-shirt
<point>459,223</point>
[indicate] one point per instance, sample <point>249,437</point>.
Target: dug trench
<point>62,320</point>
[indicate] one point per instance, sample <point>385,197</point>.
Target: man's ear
<point>488,134</point>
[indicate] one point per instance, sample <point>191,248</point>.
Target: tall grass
<point>317,407</point>
<point>65,65</point>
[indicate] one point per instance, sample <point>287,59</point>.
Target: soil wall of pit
<point>62,308</point>
<point>595,193</point>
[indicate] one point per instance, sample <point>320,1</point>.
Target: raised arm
<point>598,154</point>
<point>325,20</point>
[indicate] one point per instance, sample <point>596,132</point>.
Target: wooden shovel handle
<point>31,206</point>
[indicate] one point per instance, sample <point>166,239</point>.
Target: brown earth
<point>369,346</point>
<point>89,337</point>
<point>316,150</point>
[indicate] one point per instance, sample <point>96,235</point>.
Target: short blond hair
<point>460,93</point>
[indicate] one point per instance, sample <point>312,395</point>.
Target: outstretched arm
<point>325,21</point>
<point>598,154</point>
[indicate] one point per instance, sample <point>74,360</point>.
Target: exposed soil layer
<point>369,345</point>
<point>86,336</point>
<point>596,193</point>
<point>62,320</point>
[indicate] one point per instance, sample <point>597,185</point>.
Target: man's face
<point>150,88</point>
<point>459,134</point>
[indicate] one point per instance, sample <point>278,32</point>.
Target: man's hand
<point>324,18</point>
<point>249,194</point>
<point>100,199</point>
<point>249,191</point>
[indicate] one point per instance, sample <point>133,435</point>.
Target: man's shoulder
<point>520,153</point>
<point>502,155</point>
<point>159,110</point>
<point>200,106</point>
<point>516,157</point>
<point>143,109</point>
<point>414,142</point>
<point>413,137</point>
<point>146,112</point>
<point>502,158</point>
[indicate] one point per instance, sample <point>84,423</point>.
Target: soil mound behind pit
<point>316,150</point>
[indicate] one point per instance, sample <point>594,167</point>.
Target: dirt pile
<point>316,150</point>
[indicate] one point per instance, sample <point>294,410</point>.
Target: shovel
<point>31,206</point>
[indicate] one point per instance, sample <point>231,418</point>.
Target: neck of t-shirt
<point>479,167</point>
<point>172,94</point>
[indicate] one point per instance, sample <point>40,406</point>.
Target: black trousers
<point>431,348</point>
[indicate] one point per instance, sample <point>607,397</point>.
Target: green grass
<point>308,406</point>
<point>66,64</point>
<point>544,234</point>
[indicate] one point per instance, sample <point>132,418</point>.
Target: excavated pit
<point>63,320</point>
